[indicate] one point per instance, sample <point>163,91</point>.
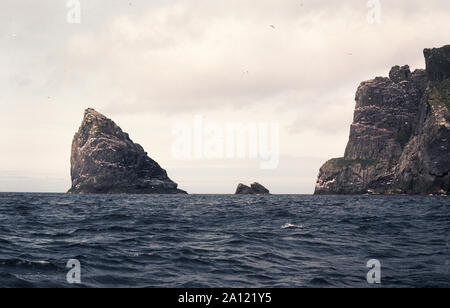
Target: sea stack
<point>400,137</point>
<point>106,161</point>
<point>254,189</point>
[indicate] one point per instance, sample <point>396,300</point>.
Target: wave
<point>291,226</point>
<point>216,241</point>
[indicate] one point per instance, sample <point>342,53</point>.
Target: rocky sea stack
<point>105,161</point>
<point>400,137</point>
<point>254,189</point>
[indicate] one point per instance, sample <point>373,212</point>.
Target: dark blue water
<point>223,241</point>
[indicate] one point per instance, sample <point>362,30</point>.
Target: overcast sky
<point>150,65</point>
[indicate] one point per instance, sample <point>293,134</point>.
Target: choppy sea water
<point>223,241</point>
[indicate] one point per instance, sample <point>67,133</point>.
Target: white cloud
<point>210,54</point>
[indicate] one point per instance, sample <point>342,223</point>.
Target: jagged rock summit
<point>254,189</point>
<point>400,137</point>
<point>105,161</point>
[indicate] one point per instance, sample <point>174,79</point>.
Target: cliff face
<point>400,136</point>
<point>105,160</point>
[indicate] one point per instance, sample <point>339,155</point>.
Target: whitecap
<point>291,226</point>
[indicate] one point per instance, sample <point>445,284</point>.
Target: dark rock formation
<point>105,161</point>
<point>254,189</point>
<point>400,137</point>
<point>438,63</point>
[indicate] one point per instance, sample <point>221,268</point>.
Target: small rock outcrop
<point>105,161</point>
<point>254,189</point>
<point>400,137</point>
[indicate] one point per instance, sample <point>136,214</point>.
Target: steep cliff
<point>400,136</point>
<point>105,160</point>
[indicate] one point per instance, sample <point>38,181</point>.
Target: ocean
<point>203,241</point>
